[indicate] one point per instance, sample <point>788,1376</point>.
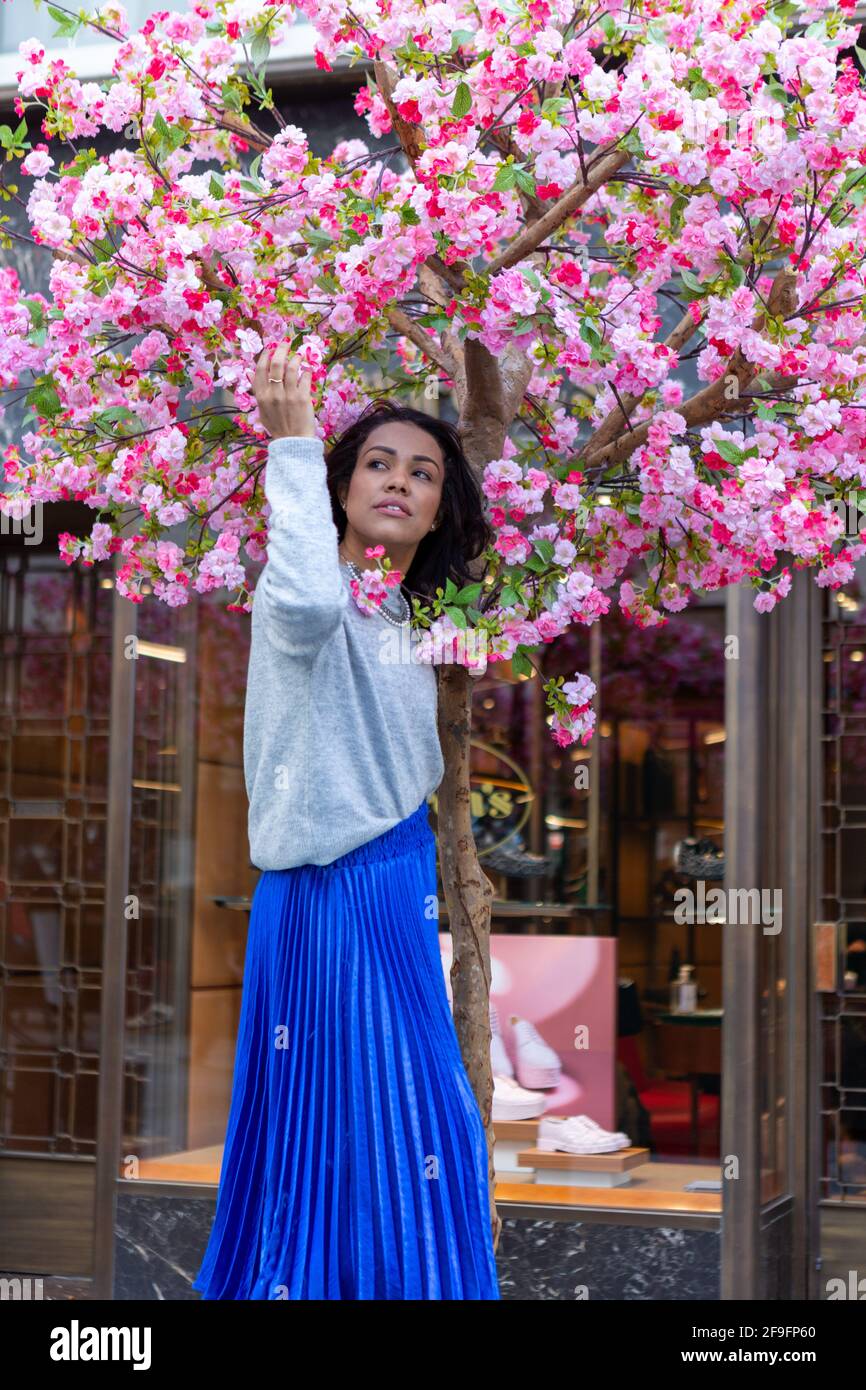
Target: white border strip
<point>92,62</point>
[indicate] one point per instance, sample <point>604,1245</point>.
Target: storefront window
<point>543,839</point>
<point>191,876</point>
<point>579,843</point>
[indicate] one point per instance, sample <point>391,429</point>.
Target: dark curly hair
<point>463,531</point>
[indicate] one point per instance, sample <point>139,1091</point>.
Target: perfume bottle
<point>686,992</point>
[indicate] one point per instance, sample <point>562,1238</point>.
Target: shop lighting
<point>161,651</point>
<point>106,583</point>
<point>715,736</point>
<point>564,823</point>
<point>856,655</point>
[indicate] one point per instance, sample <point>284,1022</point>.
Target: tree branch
<point>711,403</point>
<point>611,425</point>
<point>402,323</point>
<point>532,236</point>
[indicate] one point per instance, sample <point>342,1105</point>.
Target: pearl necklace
<point>382,610</point>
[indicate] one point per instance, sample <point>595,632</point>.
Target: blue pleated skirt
<point>355,1160</point>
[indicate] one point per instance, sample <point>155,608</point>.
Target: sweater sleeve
<point>301,590</point>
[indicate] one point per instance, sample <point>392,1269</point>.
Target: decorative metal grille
<point>843,818</point>
<point>55,680</point>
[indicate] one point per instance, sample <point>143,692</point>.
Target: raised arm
<point>301,593</point>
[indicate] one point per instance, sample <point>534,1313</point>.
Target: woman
<point>355,1160</point>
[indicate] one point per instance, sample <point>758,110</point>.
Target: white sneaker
<point>608,1133</point>
<point>511,1102</point>
<point>500,1062</point>
<point>569,1134</point>
<point>538,1067</point>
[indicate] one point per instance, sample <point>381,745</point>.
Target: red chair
<point>670,1109</point>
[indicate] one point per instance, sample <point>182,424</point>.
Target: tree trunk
<point>468,895</point>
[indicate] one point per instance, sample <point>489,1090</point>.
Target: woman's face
<point>396,488</point>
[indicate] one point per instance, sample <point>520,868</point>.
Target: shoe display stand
<point>516,1159</point>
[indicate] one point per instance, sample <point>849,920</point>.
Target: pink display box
<point>567,987</point>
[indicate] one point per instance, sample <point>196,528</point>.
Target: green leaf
<point>450,591</point>
<point>509,597</point>
<point>525,181</point>
<point>44,400</point>
<point>114,412</point>
<point>544,548</point>
<point>589,332</point>
<point>462,104</point>
<point>738,274</point>
<point>319,238</point>
<point>104,249</point>
<point>692,282</point>
<point>69,24</point>
<point>535,563</point>
<point>700,91</point>
<point>553,105</point>
<point>520,663</point>
<point>729,451</point>
<point>777,91</point>
<point>36,310</point>
<point>678,207</point>
<point>231,97</point>
<point>856,178</point>
<point>506,178</point>
<point>217,425</point>
<point>216,188</point>
<point>460,37</point>
<point>260,48</point>
<point>457,616</point>
<point>469,593</point>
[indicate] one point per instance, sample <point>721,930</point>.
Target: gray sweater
<point>340,734</point>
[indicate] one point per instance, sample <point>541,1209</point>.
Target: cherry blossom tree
<point>565,213</point>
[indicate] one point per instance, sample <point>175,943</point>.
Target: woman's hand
<point>281,387</point>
